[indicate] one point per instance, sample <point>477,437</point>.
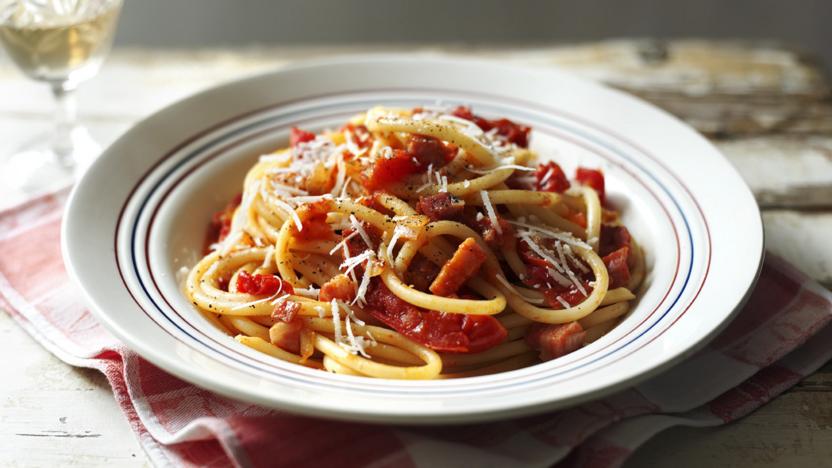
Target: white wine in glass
<point>61,43</point>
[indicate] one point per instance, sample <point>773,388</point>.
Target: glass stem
<point>66,115</point>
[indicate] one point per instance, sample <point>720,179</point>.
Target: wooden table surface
<point>767,108</point>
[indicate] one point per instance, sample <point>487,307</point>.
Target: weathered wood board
<point>767,108</point>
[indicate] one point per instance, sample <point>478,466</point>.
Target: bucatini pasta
<point>416,244</point>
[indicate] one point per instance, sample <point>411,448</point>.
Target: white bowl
<point>139,214</point>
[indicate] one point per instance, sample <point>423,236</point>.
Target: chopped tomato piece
<point>617,267</point>
<point>593,178</point>
<point>554,341</point>
<point>297,136</point>
<point>550,178</point>
<point>259,285</point>
<point>388,171</point>
<point>511,131</point>
<point>457,333</point>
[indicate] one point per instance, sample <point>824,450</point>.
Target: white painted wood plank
<point>805,239</point>
<point>52,414</point>
<point>784,171</point>
<point>719,88</point>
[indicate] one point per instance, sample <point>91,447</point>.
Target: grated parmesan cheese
<point>336,319</point>
<point>572,276</point>
<point>285,206</point>
<point>574,259</point>
<point>489,208</point>
<point>563,302</point>
<point>559,235</point>
<point>547,176</point>
<point>358,227</point>
<point>284,190</point>
<point>361,291</point>
<point>260,301</point>
<point>343,242</point>
<point>340,175</point>
<point>353,262</point>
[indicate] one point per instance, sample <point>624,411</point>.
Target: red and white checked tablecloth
<point>779,337</point>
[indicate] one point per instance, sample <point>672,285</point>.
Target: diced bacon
<point>297,136</point>
<point>465,262</point>
<point>592,178</point>
<point>612,239</point>
<point>286,335</point>
<point>286,310</point>
<point>340,287</point>
<point>617,268</point>
<point>554,341</point>
<point>313,218</point>
<point>421,273</point>
<point>440,206</point>
<point>430,151</point>
<point>551,178</point>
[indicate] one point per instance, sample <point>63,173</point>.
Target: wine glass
<point>61,43</point>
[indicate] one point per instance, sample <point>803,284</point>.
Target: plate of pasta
<point>413,240</point>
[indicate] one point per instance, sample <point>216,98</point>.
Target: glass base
<point>40,165</point>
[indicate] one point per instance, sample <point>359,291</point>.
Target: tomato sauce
<point>456,333</point>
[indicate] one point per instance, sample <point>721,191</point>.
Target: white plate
<point>140,212</point>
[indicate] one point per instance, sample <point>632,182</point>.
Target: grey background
<point>805,24</point>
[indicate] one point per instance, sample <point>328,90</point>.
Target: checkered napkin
<point>780,337</point>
